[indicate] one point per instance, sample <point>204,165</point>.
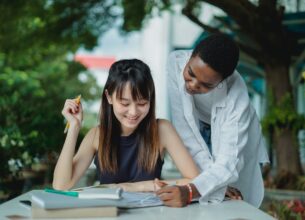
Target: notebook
<point>128,200</point>
<point>90,193</point>
<point>88,212</point>
<point>100,193</point>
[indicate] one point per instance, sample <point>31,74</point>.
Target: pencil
<point>77,101</point>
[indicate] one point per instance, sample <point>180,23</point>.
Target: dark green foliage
<point>136,12</point>
<point>36,74</point>
<point>282,115</point>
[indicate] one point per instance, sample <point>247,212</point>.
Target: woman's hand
<point>130,187</point>
<point>73,112</point>
<point>142,186</point>
<point>158,184</point>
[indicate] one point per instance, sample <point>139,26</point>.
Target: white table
<point>228,210</point>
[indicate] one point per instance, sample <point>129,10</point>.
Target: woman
<point>129,144</point>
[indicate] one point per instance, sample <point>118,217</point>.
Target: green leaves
<point>282,115</point>
<point>36,75</point>
<point>136,12</point>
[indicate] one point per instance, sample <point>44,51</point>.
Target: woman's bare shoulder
<point>164,126</point>
<point>93,131</point>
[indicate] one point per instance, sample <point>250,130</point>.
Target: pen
<point>77,101</point>
<point>67,193</point>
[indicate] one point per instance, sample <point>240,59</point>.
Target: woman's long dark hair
<point>138,75</point>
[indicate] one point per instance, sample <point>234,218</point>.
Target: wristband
<point>190,193</point>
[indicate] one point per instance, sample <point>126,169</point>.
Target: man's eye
<point>207,86</point>
<point>124,104</point>
<point>191,74</point>
<point>210,87</point>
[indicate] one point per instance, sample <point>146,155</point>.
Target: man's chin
<point>188,91</point>
<point>191,92</point>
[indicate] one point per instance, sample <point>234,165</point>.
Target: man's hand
<point>233,193</point>
<point>174,196</point>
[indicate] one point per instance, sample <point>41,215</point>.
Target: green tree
<point>257,26</point>
<point>37,39</point>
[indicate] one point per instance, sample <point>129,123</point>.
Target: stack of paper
<point>71,204</point>
<point>88,212</point>
<point>54,205</point>
<point>100,193</point>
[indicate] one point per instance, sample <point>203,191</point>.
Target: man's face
<point>199,77</point>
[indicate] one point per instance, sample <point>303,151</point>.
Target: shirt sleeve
<point>229,160</point>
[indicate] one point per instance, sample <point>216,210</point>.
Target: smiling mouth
<point>132,119</point>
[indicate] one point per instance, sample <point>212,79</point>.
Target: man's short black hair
<point>220,52</point>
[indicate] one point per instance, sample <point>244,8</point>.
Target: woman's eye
<point>124,104</point>
<point>142,104</point>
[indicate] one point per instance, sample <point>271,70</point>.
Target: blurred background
<point>54,50</point>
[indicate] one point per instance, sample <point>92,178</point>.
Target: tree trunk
<point>287,153</point>
<point>285,143</point>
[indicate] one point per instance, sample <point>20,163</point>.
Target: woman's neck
<point>127,131</point>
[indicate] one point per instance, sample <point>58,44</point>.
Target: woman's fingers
<point>73,106</point>
<point>72,111</point>
<point>158,184</point>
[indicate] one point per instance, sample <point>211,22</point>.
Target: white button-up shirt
<point>237,142</point>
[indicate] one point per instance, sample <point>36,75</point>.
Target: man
<point>212,113</point>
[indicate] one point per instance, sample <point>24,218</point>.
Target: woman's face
<point>129,112</point>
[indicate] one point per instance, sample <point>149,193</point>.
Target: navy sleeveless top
<point>128,170</point>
